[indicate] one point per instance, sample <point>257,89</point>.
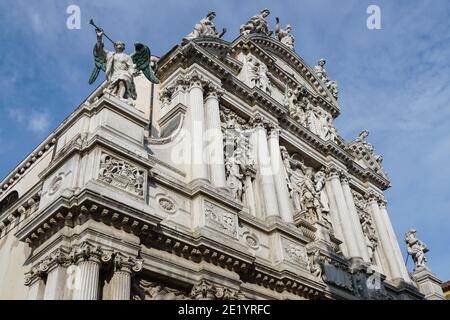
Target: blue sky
<point>393,82</point>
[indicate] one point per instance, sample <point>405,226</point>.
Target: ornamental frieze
<point>221,220</point>
<point>122,174</point>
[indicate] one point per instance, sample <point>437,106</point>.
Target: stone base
<point>428,284</point>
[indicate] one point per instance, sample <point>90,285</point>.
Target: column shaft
<point>394,243</point>
<point>120,286</point>
<point>36,290</point>
<point>280,178</point>
<point>346,223</point>
<point>89,280</point>
<point>199,170</point>
<point>337,223</point>
<point>354,217</point>
<point>215,141</point>
<point>265,173</point>
<point>56,283</point>
<point>389,262</point>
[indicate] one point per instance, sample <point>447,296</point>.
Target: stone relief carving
<point>252,240</point>
<point>306,190</point>
<point>239,160</point>
<point>416,249</point>
<point>167,205</point>
<point>205,28</point>
<point>257,24</point>
<point>316,264</point>
<point>363,151</point>
<point>206,290</point>
<point>314,118</point>
<point>220,219</point>
<point>122,174</point>
<point>367,224</point>
<point>148,290</point>
<point>295,252</point>
<point>321,73</point>
<point>284,35</point>
<point>258,74</point>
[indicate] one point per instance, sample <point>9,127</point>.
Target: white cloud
<point>36,121</point>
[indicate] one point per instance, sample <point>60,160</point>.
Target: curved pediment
<point>292,68</point>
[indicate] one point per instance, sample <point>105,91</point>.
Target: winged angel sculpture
<point>121,68</point>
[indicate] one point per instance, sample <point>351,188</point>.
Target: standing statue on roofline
<point>121,68</point>
<point>284,35</point>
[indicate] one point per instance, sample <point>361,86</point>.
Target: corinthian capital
<point>195,79</point>
<point>344,177</point>
<point>332,172</point>
<point>126,263</point>
<point>89,252</point>
<point>372,197</point>
<point>213,91</point>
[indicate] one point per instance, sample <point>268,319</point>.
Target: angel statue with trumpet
<point>121,68</point>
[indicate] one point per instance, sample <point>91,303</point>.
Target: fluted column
<point>279,175</point>
<point>354,217</point>
<point>199,169</point>
<point>214,137</point>
<point>393,239</point>
<point>342,212</point>
<point>389,262</point>
<point>265,169</point>
<point>120,285</point>
<point>89,259</point>
<point>55,287</point>
<point>36,287</point>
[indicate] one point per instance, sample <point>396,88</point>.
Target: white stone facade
<point>226,181</point>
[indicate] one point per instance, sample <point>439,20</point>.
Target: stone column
<point>120,285</point>
<point>279,175</point>
<point>342,213</point>
<point>249,192</point>
<point>36,290</point>
<point>199,169</point>
<point>265,169</point>
<point>393,240</point>
<point>214,137</point>
<point>389,262</point>
<point>89,259</point>
<point>354,217</point>
<point>56,276</point>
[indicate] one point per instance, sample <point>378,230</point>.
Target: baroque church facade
<point>225,180</point>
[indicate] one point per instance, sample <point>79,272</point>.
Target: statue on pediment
<point>205,28</point>
<point>284,35</point>
<point>257,24</point>
<point>322,74</point>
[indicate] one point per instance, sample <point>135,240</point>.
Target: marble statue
<point>319,186</point>
<point>234,177</point>
<point>369,233</point>
<point>416,249</point>
<point>284,35</point>
<point>121,68</point>
<point>321,73</point>
<point>205,28</point>
<point>257,24</point>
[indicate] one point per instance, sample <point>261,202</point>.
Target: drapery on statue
<point>121,68</point>
<point>257,24</point>
<point>284,35</point>
<point>205,28</point>
<point>416,249</point>
<point>322,74</point>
